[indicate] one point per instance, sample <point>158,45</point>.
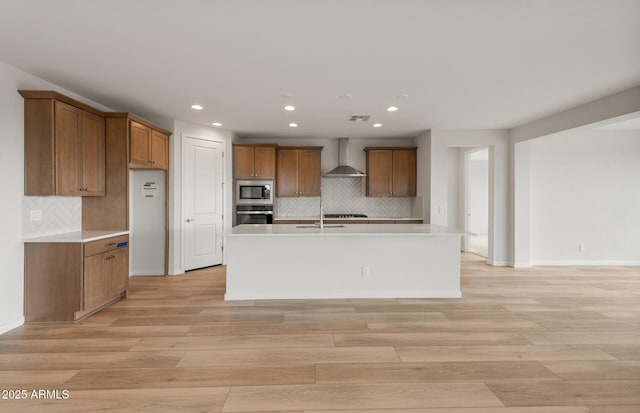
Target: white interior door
<point>202,202</point>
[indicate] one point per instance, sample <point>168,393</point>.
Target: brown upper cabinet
<point>149,147</point>
<point>298,171</point>
<point>254,161</point>
<point>391,172</point>
<point>125,134</point>
<point>64,146</point>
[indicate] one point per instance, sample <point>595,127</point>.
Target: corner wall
<point>498,143</point>
<point>585,190</point>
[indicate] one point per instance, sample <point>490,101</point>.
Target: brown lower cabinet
<point>69,281</point>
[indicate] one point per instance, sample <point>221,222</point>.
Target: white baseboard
<point>591,263</point>
<point>11,325</point>
<point>500,263</point>
<point>521,264</point>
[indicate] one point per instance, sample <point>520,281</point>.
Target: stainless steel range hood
<point>344,170</point>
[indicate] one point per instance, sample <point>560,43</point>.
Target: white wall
<point>585,189</point>
<point>454,199</point>
<point>423,179</point>
<point>610,109</point>
<point>479,192</point>
<point>181,130</point>
<point>12,188</point>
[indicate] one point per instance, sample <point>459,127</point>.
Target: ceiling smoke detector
<point>359,118</point>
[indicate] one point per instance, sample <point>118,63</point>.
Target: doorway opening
<point>476,201</point>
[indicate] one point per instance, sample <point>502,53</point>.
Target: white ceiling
<point>464,64</point>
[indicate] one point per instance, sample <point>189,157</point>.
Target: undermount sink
<point>318,226</point>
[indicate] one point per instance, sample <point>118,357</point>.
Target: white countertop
<point>346,230</point>
<point>76,236</point>
<point>348,219</point>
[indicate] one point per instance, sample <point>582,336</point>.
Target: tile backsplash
<point>59,214</point>
<point>344,195</point>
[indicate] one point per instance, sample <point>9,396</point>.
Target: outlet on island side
<point>581,247</point>
<point>366,272</point>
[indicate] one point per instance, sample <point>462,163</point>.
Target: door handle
<point>190,219</point>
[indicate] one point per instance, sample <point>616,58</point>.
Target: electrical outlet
<point>366,272</point>
<point>581,248</point>
<point>35,215</point>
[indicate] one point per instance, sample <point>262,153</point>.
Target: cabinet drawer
<point>102,245</point>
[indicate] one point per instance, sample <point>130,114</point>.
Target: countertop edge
<point>73,237</point>
<point>347,219</point>
<point>348,230</point>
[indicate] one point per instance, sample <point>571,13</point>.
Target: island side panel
<point>328,266</point>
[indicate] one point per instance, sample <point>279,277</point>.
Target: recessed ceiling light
<point>392,108</point>
<point>345,96</point>
<point>293,125</point>
<point>197,107</point>
<point>218,124</point>
<point>289,108</point>
<point>377,125</point>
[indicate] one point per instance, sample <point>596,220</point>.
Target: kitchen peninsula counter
<point>352,261</point>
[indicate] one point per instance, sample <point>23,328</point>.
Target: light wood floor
<point>544,340</point>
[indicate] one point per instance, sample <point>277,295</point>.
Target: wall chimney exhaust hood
<point>343,170</point>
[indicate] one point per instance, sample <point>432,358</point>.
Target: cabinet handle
<point>110,244</point>
<point>81,189</point>
<point>110,257</point>
<point>153,162</point>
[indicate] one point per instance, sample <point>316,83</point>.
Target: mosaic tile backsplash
<point>59,214</point>
<point>343,195</point>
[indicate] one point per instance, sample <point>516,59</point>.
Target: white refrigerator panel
<point>147,222</point>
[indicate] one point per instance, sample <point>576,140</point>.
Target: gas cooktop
<point>345,216</point>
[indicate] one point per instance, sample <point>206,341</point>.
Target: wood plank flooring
<point>541,340</point>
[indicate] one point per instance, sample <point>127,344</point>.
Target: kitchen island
<point>347,261</point>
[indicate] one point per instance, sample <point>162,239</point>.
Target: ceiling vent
<point>359,118</point>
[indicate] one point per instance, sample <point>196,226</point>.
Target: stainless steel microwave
<point>254,192</point>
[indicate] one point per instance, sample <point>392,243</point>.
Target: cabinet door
<point>404,172</point>
<point>159,150</point>
<point>96,280</point>
<point>68,127</point>
<point>379,172</point>
<point>243,162</point>
<point>265,162</point>
<point>93,155</point>
<point>287,172</point>
<point>309,172</point>
<point>118,268</point>
<point>140,144</point>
